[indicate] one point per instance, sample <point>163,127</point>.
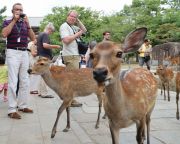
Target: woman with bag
<point>144,54</point>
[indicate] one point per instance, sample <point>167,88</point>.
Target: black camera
<point>22,15</point>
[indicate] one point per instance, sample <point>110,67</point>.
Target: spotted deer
<point>129,95</point>
<point>177,93</point>
<point>67,84</point>
<point>165,75</point>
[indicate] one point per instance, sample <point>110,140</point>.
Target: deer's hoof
<point>177,116</point>
<point>97,126</point>
<point>66,130</point>
<point>53,134</point>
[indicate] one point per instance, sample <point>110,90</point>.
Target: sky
<point>39,8</point>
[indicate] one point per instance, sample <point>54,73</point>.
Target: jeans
<point>142,61</point>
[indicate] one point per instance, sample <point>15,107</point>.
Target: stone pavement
<point>36,128</point>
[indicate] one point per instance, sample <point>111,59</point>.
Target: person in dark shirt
<point>44,48</point>
<point>17,30</point>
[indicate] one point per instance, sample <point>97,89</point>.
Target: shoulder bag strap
<point>73,31</point>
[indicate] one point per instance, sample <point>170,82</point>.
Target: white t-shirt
<point>71,48</point>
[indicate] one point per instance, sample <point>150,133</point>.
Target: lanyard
<point>18,27</point>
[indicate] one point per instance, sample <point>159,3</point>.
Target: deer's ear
<point>134,40</point>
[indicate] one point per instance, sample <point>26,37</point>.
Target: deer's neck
<point>50,81</point>
<point>114,93</point>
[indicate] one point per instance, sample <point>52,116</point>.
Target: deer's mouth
<point>30,71</point>
<point>107,81</point>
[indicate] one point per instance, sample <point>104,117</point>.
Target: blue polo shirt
<point>19,34</point>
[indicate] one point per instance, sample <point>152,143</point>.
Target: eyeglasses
<point>18,10</point>
<point>73,16</point>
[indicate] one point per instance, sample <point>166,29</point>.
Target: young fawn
<point>177,93</point>
<point>165,75</point>
<point>130,95</point>
<point>67,84</point>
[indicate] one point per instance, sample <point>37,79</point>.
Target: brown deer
<point>130,95</point>
<point>67,84</point>
<point>165,75</point>
<point>174,60</point>
<point>177,93</point>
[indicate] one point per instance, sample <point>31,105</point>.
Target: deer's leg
<point>114,133</point>
<point>161,88</point>
<point>104,116</point>
<point>100,96</point>
<point>68,120</point>
<point>168,91</point>
<point>148,120</point>
<point>99,113</point>
<point>140,131</point>
<point>61,109</point>
<point>164,91</point>
<point>177,103</point>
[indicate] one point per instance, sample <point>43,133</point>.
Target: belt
<point>19,48</point>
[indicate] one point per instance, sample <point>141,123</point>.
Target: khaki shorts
<point>71,62</point>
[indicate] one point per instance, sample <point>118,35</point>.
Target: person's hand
<point>57,46</point>
<point>80,33</point>
<point>16,17</point>
<point>27,21</point>
<point>34,53</point>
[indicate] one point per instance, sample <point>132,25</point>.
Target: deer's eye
<point>119,54</point>
<point>91,55</point>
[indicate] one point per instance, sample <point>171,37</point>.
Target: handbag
<point>82,46</point>
<point>146,58</point>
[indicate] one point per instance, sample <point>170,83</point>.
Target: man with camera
<point>69,35</point>
<point>17,30</point>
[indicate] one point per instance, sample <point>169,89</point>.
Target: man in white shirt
<point>69,35</point>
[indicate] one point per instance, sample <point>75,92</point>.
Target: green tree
<point>59,14</point>
<point>161,17</point>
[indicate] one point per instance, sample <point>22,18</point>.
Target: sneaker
<point>14,115</point>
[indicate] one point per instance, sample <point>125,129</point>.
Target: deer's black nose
<point>100,74</point>
<point>29,71</point>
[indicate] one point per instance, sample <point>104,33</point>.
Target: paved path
<point>36,128</point>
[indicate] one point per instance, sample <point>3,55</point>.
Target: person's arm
<point>141,49</point>
<point>45,42</point>
<point>30,31</point>
<point>87,55</point>
<point>81,26</point>
<point>33,49</point>
<point>7,29</point>
<point>66,37</point>
<point>69,39</point>
<point>50,46</point>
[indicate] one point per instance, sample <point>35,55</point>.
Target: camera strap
<point>74,32</point>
